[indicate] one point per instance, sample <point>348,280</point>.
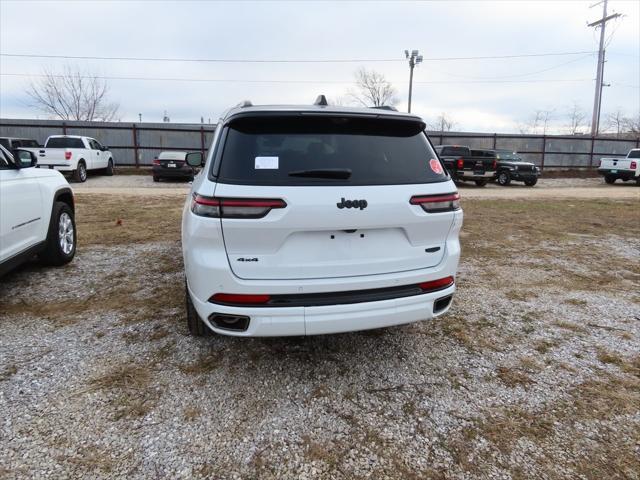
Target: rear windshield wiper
<point>339,173</point>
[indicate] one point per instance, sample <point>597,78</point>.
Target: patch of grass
<point>576,301</point>
<point>513,377</point>
<point>127,387</point>
<point>191,413</point>
<point>520,295</point>
<point>565,325</point>
<point>605,356</point>
<point>206,363</point>
<point>543,346</point>
<point>112,220</point>
<point>8,372</point>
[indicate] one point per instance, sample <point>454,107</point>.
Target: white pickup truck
<point>627,168</point>
<point>74,154</point>
<point>36,212</point>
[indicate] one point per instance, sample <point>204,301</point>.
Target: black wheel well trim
<point>64,195</point>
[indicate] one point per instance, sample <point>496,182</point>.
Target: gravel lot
<point>546,188</point>
<point>535,373</point>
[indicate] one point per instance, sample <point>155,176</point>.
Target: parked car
<point>36,212</point>
<point>75,155</point>
<point>511,168</point>
<point>463,165</point>
<point>318,219</point>
<point>11,143</point>
<point>172,165</point>
<point>627,168</point>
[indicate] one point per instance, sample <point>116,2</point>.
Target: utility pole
<point>597,100</point>
<point>414,59</point>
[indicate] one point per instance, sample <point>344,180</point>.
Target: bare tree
<point>632,124</point>
<point>339,101</point>
<point>373,89</point>
<point>616,122</point>
<point>577,119</point>
<point>73,95</point>
<point>442,123</point>
<point>538,122</point>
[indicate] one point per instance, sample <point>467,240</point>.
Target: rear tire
<point>481,183</point>
<point>504,178</point>
<point>609,179</point>
<point>156,179</point>
<point>531,182</point>
<point>61,239</point>
<point>197,327</point>
<point>109,170</point>
<point>80,173</point>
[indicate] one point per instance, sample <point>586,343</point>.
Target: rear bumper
<point>182,172</point>
<point>284,321</point>
<point>522,176</point>
<point>61,167</point>
<point>470,175</point>
<point>617,172</point>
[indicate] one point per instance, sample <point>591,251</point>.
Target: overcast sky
<point>481,94</point>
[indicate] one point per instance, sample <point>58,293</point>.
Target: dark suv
<point>511,167</point>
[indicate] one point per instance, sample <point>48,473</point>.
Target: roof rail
<point>321,100</point>
<point>245,103</point>
<point>385,107</point>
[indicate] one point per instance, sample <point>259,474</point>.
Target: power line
<point>235,80</point>
<point>301,60</point>
<point>522,74</point>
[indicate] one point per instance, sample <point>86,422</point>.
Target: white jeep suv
<point>309,220</point>
<point>36,212</point>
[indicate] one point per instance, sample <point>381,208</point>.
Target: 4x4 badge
<point>361,204</point>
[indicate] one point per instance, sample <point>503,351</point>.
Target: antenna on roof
<point>321,100</point>
<point>245,103</point>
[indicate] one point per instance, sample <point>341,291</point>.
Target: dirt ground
<point>546,188</point>
<point>534,373</point>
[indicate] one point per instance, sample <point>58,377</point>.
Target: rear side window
<point>64,142</point>
<point>374,151</point>
<point>5,143</point>
<point>634,154</point>
<point>26,143</point>
<point>455,152</point>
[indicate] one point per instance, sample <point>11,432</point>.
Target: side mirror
<point>195,159</point>
<point>25,158</point>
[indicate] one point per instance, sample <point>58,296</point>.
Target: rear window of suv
<point>64,142</point>
<point>455,152</point>
<point>266,150</point>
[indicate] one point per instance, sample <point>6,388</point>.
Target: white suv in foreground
<point>36,212</point>
<point>316,219</point>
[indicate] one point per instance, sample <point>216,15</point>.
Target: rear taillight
<point>437,203</point>
<point>633,165</point>
<point>234,207</point>
<point>494,165</point>
<point>67,155</point>
<point>460,163</point>
<point>240,299</point>
<point>434,285</point>
<point>156,161</point>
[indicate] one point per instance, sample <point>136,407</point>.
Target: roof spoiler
<point>385,107</point>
